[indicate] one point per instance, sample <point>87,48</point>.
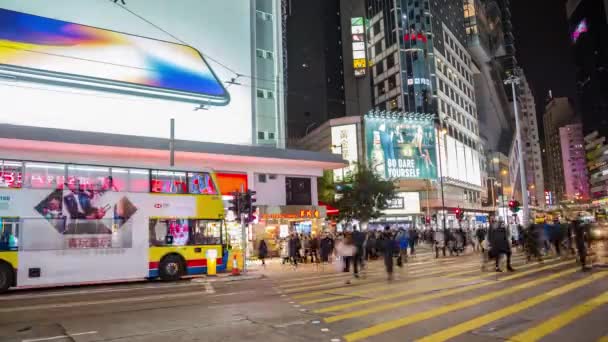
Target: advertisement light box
<point>94,66</point>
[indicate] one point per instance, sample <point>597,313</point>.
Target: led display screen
<point>96,66</point>
<point>61,48</point>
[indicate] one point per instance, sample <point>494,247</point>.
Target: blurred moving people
<point>263,252</point>
<point>500,244</point>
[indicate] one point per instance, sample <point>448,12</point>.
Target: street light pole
<point>513,81</point>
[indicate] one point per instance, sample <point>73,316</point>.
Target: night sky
<point>543,48</point>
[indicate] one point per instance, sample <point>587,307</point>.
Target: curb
<point>227,279</point>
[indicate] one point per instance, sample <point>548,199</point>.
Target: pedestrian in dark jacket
<point>314,249</point>
<point>388,243</point>
<point>580,232</point>
<point>325,246</point>
<point>358,240</point>
<point>294,248</point>
<point>499,244</point>
<point>263,252</point>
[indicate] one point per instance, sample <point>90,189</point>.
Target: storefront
<point>278,222</point>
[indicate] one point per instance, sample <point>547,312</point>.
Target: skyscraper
<point>420,63</point>
<point>321,78</point>
<point>588,21</point>
<point>559,112</point>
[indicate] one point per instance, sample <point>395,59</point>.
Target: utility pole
<point>441,135</point>
<point>513,80</point>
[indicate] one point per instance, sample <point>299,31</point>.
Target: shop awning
<point>331,211</point>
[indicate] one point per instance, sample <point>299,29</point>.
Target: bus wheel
<point>6,277</point>
<point>171,267</point>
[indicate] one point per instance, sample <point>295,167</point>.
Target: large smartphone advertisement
<point>94,65</point>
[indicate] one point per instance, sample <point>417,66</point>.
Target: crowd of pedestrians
<point>493,241</point>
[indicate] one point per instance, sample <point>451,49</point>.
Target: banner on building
<point>401,147</point>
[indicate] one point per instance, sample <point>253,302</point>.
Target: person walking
<point>294,249</point>
<point>263,252</point>
<point>358,242</point>
<point>314,249</point>
<point>403,241</point>
<point>500,244</point>
<point>325,246</point>
<point>481,235</point>
<point>439,240</point>
<point>285,251</point>
<point>580,234</point>
<point>387,249</point>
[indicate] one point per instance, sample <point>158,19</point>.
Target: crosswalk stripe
<point>326,299</point>
<point>393,305</point>
<point>369,287</point>
<point>339,281</point>
<point>421,316</point>
<point>413,268</point>
<point>536,333</point>
<point>404,293</point>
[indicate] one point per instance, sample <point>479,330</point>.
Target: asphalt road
<point>430,300</point>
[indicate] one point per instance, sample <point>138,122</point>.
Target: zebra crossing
<point>452,299</point>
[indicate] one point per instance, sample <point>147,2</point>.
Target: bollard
<point>211,262</point>
<point>235,266</point>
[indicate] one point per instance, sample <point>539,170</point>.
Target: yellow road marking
<point>404,293</point>
<point>421,316</point>
<point>556,322</point>
<point>603,339</point>
<point>420,299</point>
<point>323,300</point>
<point>377,287</point>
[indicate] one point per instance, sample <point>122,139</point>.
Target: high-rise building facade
<point>559,112</point>
<point>588,21</point>
<point>322,82</point>
<point>531,143</point>
<point>597,165</point>
<point>420,63</point>
<point>576,185</point>
<point>486,43</point>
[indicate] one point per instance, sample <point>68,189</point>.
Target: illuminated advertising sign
<point>358,35</point>
<point>94,66</point>
<point>401,147</point>
<point>579,30</point>
<point>344,142</point>
<point>403,203</point>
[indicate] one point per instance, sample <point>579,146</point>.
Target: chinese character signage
<point>401,147</point>
<point>358,35</point>
<point>344,142</point>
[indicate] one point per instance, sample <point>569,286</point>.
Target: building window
<point>261,135</point>
<point>298,191</point>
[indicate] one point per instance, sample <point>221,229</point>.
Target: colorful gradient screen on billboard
<point>40,43</point>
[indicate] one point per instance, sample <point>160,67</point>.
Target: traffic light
<point>235,203</point>
<point>459,214</point>
<point>249,207</point>
<point>514,206</point>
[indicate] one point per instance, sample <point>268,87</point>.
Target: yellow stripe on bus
<point>11,257</point>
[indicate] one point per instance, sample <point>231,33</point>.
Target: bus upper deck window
<point>168,182</point>
<point>201,183</point>
<point>11,174</point>
<point>44,175</point>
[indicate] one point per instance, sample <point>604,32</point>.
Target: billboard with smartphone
<point>98,66</point>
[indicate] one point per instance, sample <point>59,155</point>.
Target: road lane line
<point>556,322</point>
<point>425,315</point>
<point>420,299</point>
<point>59,337</point>
<point>209,288</point>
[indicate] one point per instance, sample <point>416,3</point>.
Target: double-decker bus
<point>68,223</point>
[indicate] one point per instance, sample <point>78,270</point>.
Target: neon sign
<point>579,30</point>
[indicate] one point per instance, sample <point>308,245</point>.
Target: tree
<point>326,188</point>
<point>364,198</point>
